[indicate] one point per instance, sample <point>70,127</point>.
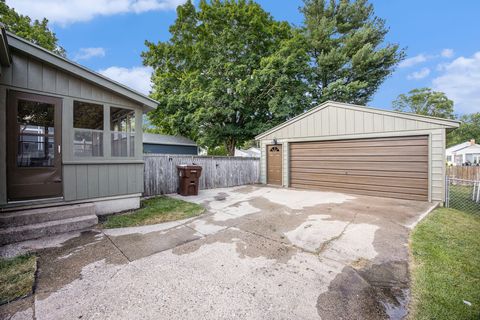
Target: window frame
<point>130,134</point>
<point>74,130</point>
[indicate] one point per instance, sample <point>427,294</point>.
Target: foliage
<point>446,266</point>
<point>425,101</point>
<point>17,276</point>
<point>229,72</point>
<point>344,42</point>
<point>155,210</point>
<point>469,129</point>
<point>35,31</point>
<point>217,151</point>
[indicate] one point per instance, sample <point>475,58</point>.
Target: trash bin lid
<point>189,167</point>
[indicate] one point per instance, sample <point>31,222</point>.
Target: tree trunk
<point>230,145</point>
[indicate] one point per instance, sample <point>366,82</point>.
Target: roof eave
<point>73,68</point>
<point>172,144</point>
<point>448,123</point>
<point>5,57</point>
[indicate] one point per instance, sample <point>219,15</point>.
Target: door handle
<point>57,180</point>
<point>59,148</point>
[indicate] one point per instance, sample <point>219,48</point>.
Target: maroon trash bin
<point>188,176</point>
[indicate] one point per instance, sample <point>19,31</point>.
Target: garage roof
<point>152,138</point>
<point>447,123</point>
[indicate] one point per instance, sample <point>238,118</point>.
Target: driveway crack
<point>118,248</point>
<point>327,243</point>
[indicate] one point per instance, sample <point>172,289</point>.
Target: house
<point>359,150</point>
<point>249,153</point>
<point>68,135</point>
<point>165,144</point>
<point>466,153</point>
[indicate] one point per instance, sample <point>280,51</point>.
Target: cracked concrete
<point>256,253</point>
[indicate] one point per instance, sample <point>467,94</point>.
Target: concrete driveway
<point>257,253</point>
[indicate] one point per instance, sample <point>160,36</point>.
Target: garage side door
<point>394,167</point>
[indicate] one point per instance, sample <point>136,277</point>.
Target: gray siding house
<point>165,144</point>
<point>67,134</point>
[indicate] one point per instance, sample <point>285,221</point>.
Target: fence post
<point>474,191</point>
<point>478,192</point>
<point>447,192</point>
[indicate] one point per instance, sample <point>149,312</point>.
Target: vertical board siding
<point>161,177</point>
<point>29,73</point>
<point>3,145</point>
<point>89,181</point>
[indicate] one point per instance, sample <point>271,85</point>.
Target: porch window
<point>36,147</point>
<point>122,125</point>
<point>88,129</point>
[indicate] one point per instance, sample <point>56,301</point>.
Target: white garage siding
<point>337,121</point>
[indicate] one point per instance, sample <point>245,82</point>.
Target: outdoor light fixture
<point>274,140</point>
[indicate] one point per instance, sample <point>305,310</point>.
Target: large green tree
<point>425,101</point>
<point>469,129</point>
<point>348,54</point>
<point>229,72</point>
<point>35,31</point>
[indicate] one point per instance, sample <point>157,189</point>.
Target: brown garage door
<point>394,167</point>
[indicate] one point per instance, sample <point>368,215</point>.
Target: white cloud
<point>137,78</point>
<point>424,72</point>
<point>64,12</point>
<point>413,61</point>
<point>447,53</point>
<point>87,53</point>
<point>461,82</point>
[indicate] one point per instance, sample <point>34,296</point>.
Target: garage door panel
<point>357,179</point>
<point>419,175</point>
<point>363,143</point>
<point>382,166</point>
<point>363,151</point>
<point>356,187</point>
<point>392,167</point>
<point>359,158</point>
<point>364,192</point>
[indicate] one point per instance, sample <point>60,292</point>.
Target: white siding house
<point>466,153</point>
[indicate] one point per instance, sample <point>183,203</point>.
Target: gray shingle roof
<point>166,139</point>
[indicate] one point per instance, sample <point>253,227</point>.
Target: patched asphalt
<point>256,253</point>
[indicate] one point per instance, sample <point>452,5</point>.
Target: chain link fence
<point>463,195</point>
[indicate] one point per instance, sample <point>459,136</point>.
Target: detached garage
<point>359,150</point>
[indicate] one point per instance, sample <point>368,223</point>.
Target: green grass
<point>17,276</point>
<point>461,199</point>
<point>446,266</point>
<point>155,210</point>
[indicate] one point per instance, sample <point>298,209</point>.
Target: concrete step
<point>38,230</point>
<point>34,216</point>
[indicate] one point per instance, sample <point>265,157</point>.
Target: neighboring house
<point>466,153</point>
<point>165,144</point>
<point>359,150</point>
<point>250,152</point>
<point>68,135</point>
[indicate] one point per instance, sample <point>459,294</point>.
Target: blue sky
<point>442,39</point>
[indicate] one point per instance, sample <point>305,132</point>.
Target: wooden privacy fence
<point>464,172</point>
<point>161,175</point>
